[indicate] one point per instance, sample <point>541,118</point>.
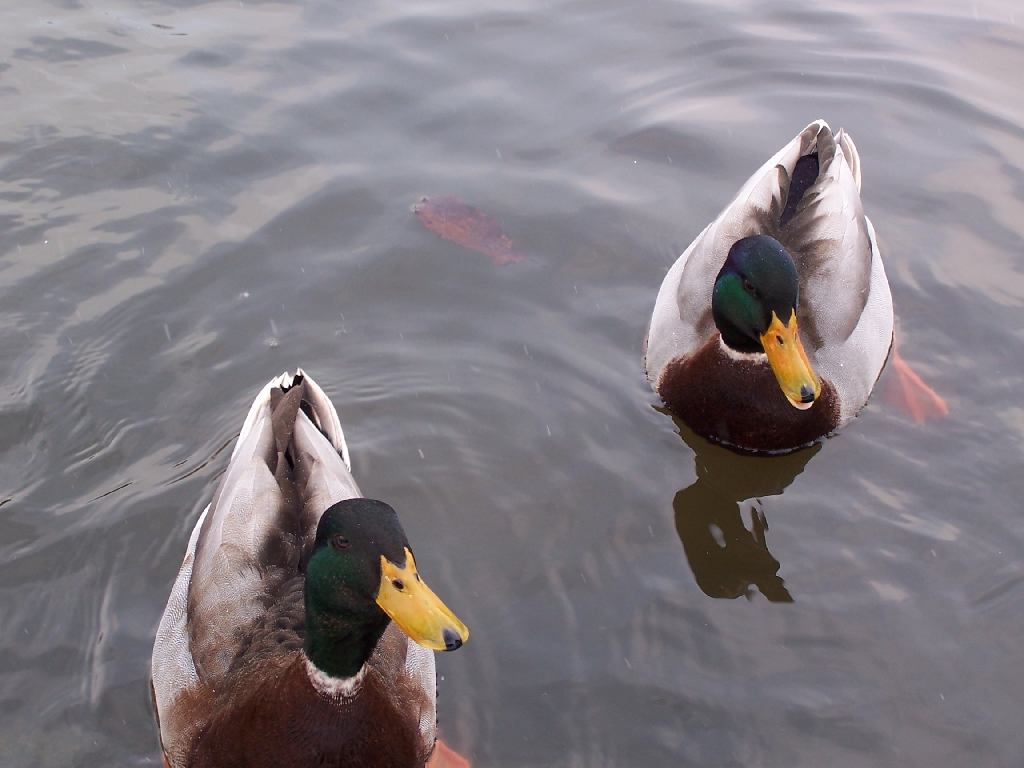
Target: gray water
<point>197,196</point>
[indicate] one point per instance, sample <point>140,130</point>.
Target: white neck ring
<point>334,687</point>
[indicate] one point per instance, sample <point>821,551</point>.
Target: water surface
<point>197,196</point>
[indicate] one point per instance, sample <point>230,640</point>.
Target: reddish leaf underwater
<point>455,220</point>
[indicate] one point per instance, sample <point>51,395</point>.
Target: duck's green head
<point>754,306</point>
<point>362,575</point>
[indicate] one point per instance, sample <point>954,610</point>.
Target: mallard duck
<point>772,328</point>
<point>286,640</point>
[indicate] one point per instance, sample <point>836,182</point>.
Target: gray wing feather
<point>230,582</point>
<point>322,479</point>
<point>174,672</point>
<point>829,242</point>
<point>284,473</point>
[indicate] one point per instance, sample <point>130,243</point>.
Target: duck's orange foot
<point>446,757</point>
<point>908,392</point>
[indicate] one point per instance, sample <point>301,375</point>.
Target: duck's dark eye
<point>399,584</point>
<point>339,542</point>
<point>748,286</point>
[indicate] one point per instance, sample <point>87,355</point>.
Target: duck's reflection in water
<point>726,557</point>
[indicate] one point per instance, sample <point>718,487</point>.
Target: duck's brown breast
<point>282,721</point>
<point>738,402</point>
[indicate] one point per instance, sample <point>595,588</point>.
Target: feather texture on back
<point>231,681</point>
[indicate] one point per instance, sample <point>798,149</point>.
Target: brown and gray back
<point>236,612</point>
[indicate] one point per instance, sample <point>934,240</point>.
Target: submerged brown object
<point>908,392</point>
<point>455,220</point>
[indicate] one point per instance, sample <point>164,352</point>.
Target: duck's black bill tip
<point>806,394</point>
<point>452,641</point>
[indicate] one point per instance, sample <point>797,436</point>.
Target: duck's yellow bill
<point>410,603</point>
<point>790,364</point>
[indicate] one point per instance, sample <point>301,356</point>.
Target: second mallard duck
<point>287,640</point>
<point>772,328</point>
